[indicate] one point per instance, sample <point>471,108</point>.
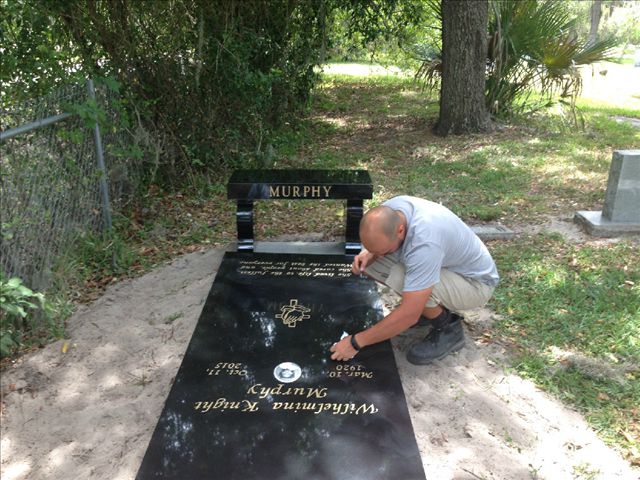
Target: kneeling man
<point>436,263</point>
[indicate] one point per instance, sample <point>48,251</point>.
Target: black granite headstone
<point>257,395</point>
<point>298,184</point>
<point>245,186</point>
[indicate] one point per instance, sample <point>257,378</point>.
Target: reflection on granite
<point>228,417</point>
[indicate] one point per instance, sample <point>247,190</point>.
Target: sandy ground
<point>89,413</point>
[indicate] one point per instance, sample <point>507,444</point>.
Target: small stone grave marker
<point>621,211</point>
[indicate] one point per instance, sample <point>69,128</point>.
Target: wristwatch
<point>354,344</point>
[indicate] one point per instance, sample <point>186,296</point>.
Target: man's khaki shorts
<point>453,291</point>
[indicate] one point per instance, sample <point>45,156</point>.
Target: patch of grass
<point>103,255</point>
<point>584,471</point>
<point>538,165</point>
<point>626,60</point>
<point>291,137</point>
<point>160,227</point>
<point>173,317</point>
<point>586,105</point>
<point>560,301</point>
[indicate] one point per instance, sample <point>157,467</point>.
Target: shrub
<point>24,315</point>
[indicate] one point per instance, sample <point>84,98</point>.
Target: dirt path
<point>89,413</point>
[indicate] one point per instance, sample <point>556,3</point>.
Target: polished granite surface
<point>257,395</point>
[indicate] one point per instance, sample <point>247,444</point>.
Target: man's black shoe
<point>440,342</point>
<point>422,322</point>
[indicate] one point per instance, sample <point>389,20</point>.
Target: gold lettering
<point>250,406</point>
<point>322,407</point>
<point>326,191</point>
<point>296,191</point>
<point>224,404</point>
<point>286,191</point>
<point>204,407</point>
<point>252,390</point>
<point>371,408</point>
<point>315,192</point>
<point>279,390</point>
<point>264,393</point>
<point>274,192</point>
<point>228,369</point>
<point>306,191</point>
<point>317,392</point>
<point>308,406</point>
<point>334,408</point>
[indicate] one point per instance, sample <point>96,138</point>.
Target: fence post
<point>104,189</point>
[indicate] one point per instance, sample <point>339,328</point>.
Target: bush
<point>25,315</point>
<point>215,80</point>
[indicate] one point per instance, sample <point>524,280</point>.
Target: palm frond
<point>596,52</point>
<point>533,46</point>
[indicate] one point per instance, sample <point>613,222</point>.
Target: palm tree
<point>533,56</point>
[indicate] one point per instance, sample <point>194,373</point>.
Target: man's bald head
<point>380,220</point>
<point>382,230</point>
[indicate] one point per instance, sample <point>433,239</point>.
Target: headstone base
<point>300,247</point>
<point>595,224</point>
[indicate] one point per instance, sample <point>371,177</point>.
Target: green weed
<point>28,317</point>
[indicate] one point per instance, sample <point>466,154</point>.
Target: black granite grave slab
<point>257,395</point>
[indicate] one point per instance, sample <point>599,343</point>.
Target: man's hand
<point>361,261</point>
<point>343,350</point>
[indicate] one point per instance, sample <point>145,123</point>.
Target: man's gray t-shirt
<point>437,238</point>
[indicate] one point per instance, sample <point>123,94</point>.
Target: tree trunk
<point>464,57</point>
<point>596,14</point>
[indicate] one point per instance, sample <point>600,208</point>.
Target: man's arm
<point>361,261</point>
<point>399,320</point>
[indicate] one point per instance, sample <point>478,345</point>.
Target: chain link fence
<point>50,180</point>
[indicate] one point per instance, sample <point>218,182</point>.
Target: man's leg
<point>432,312</point>
<point>451,294</point>
<point>388,271</point>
